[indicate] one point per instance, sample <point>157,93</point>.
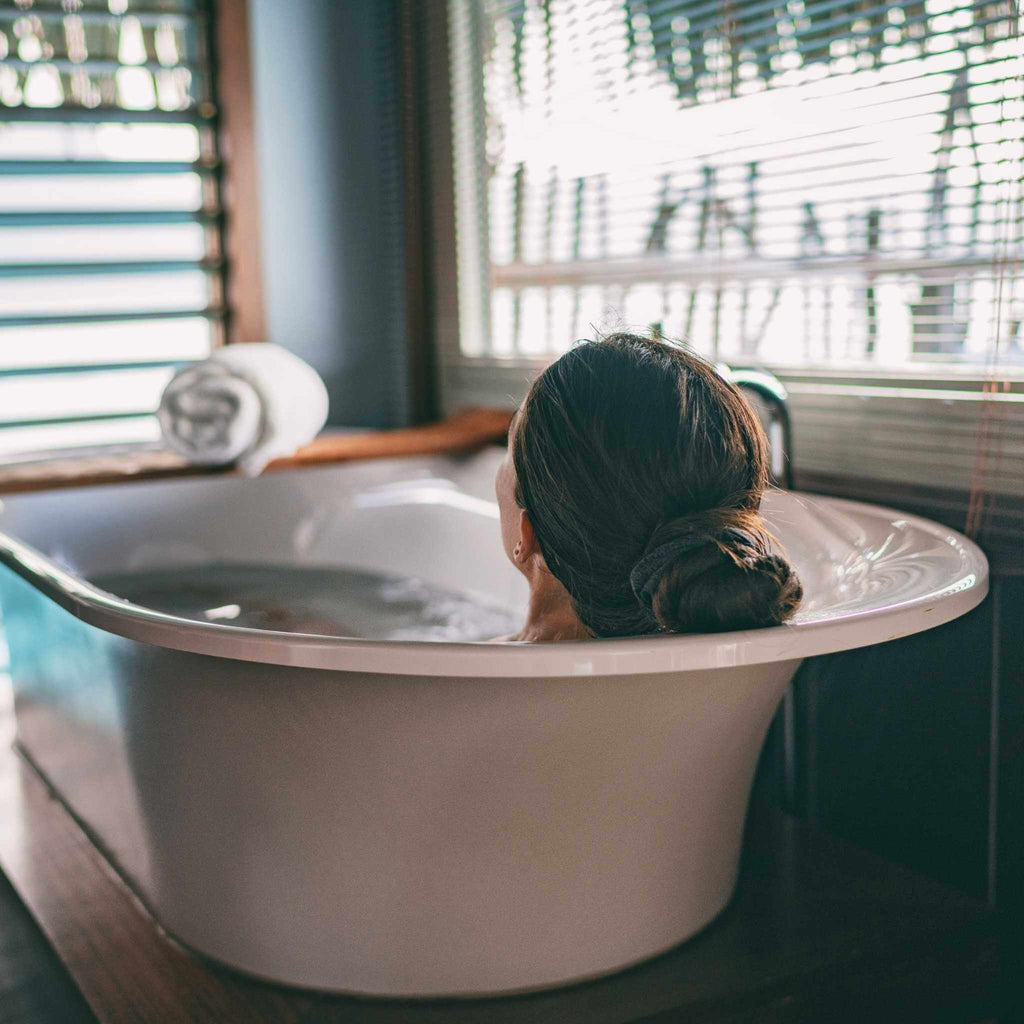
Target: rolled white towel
<point>249,402</point>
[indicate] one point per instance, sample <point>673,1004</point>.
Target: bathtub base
<point>408,837</point>
<point>468,992</point>
<point>72,821</point>
<point>242,965</point>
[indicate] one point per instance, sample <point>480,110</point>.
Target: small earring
<point>515,553</point>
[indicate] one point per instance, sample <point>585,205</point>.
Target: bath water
<point>328,601</point>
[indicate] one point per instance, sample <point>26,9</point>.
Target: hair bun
<point>715,571</point>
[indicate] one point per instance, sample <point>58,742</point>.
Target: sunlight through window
<point>811,184</point>
<point>110,256</point>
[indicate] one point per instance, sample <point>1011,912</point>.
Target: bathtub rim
<point>602,657</point>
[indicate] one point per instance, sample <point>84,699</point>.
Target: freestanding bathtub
<point>415,818</point>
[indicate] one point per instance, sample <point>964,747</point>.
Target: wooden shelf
<point>462,432</point>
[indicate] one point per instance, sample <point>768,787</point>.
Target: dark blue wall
<point>328,159</point>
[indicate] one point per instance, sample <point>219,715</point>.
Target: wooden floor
<point>818,932</point>
<point>34,987</point>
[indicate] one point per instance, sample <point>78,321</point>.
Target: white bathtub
<point>415,818</point>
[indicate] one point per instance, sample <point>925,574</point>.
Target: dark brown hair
<point>642,471</point>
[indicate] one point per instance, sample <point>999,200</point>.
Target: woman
<point>629,498</point>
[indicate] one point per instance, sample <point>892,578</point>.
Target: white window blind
<point>110,253</point>
<point>829,189</point>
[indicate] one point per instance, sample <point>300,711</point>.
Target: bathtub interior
<point>432,519</point>
<point>435,519</point>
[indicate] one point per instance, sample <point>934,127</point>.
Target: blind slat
<point>62,62</point>
<point>51,421</point>
<point>99,268</point>
<point>43,218</point>
<point>40,371</point>
<point>209,312</point>
<point>641,270</point>
<point>105,167</point>
<point>145,15</point>
<point>106,114</point>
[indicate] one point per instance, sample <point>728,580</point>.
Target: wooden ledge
<point>464,431</point>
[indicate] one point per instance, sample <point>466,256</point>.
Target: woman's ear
<point>526,545</point>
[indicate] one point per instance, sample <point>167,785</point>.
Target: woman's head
<point>637,472</point>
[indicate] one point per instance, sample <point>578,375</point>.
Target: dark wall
<point>915,748</point>
<point>325,94</point>
<point>895,744</point>
<point>1009,794</point>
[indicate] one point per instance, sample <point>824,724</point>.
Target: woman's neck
<point>550,616</point>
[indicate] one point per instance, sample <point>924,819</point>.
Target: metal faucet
<point>769,401</point>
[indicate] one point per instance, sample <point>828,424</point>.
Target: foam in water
<point>331,602</point>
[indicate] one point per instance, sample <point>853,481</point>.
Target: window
<point>828,188</point>
<point>110,265</point>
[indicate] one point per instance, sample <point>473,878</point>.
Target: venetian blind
<point>110,258</point>
<point>827,188</point>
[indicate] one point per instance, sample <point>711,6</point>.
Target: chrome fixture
<point>769,397</point>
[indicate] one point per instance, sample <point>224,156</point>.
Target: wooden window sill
<point>461,432</point>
